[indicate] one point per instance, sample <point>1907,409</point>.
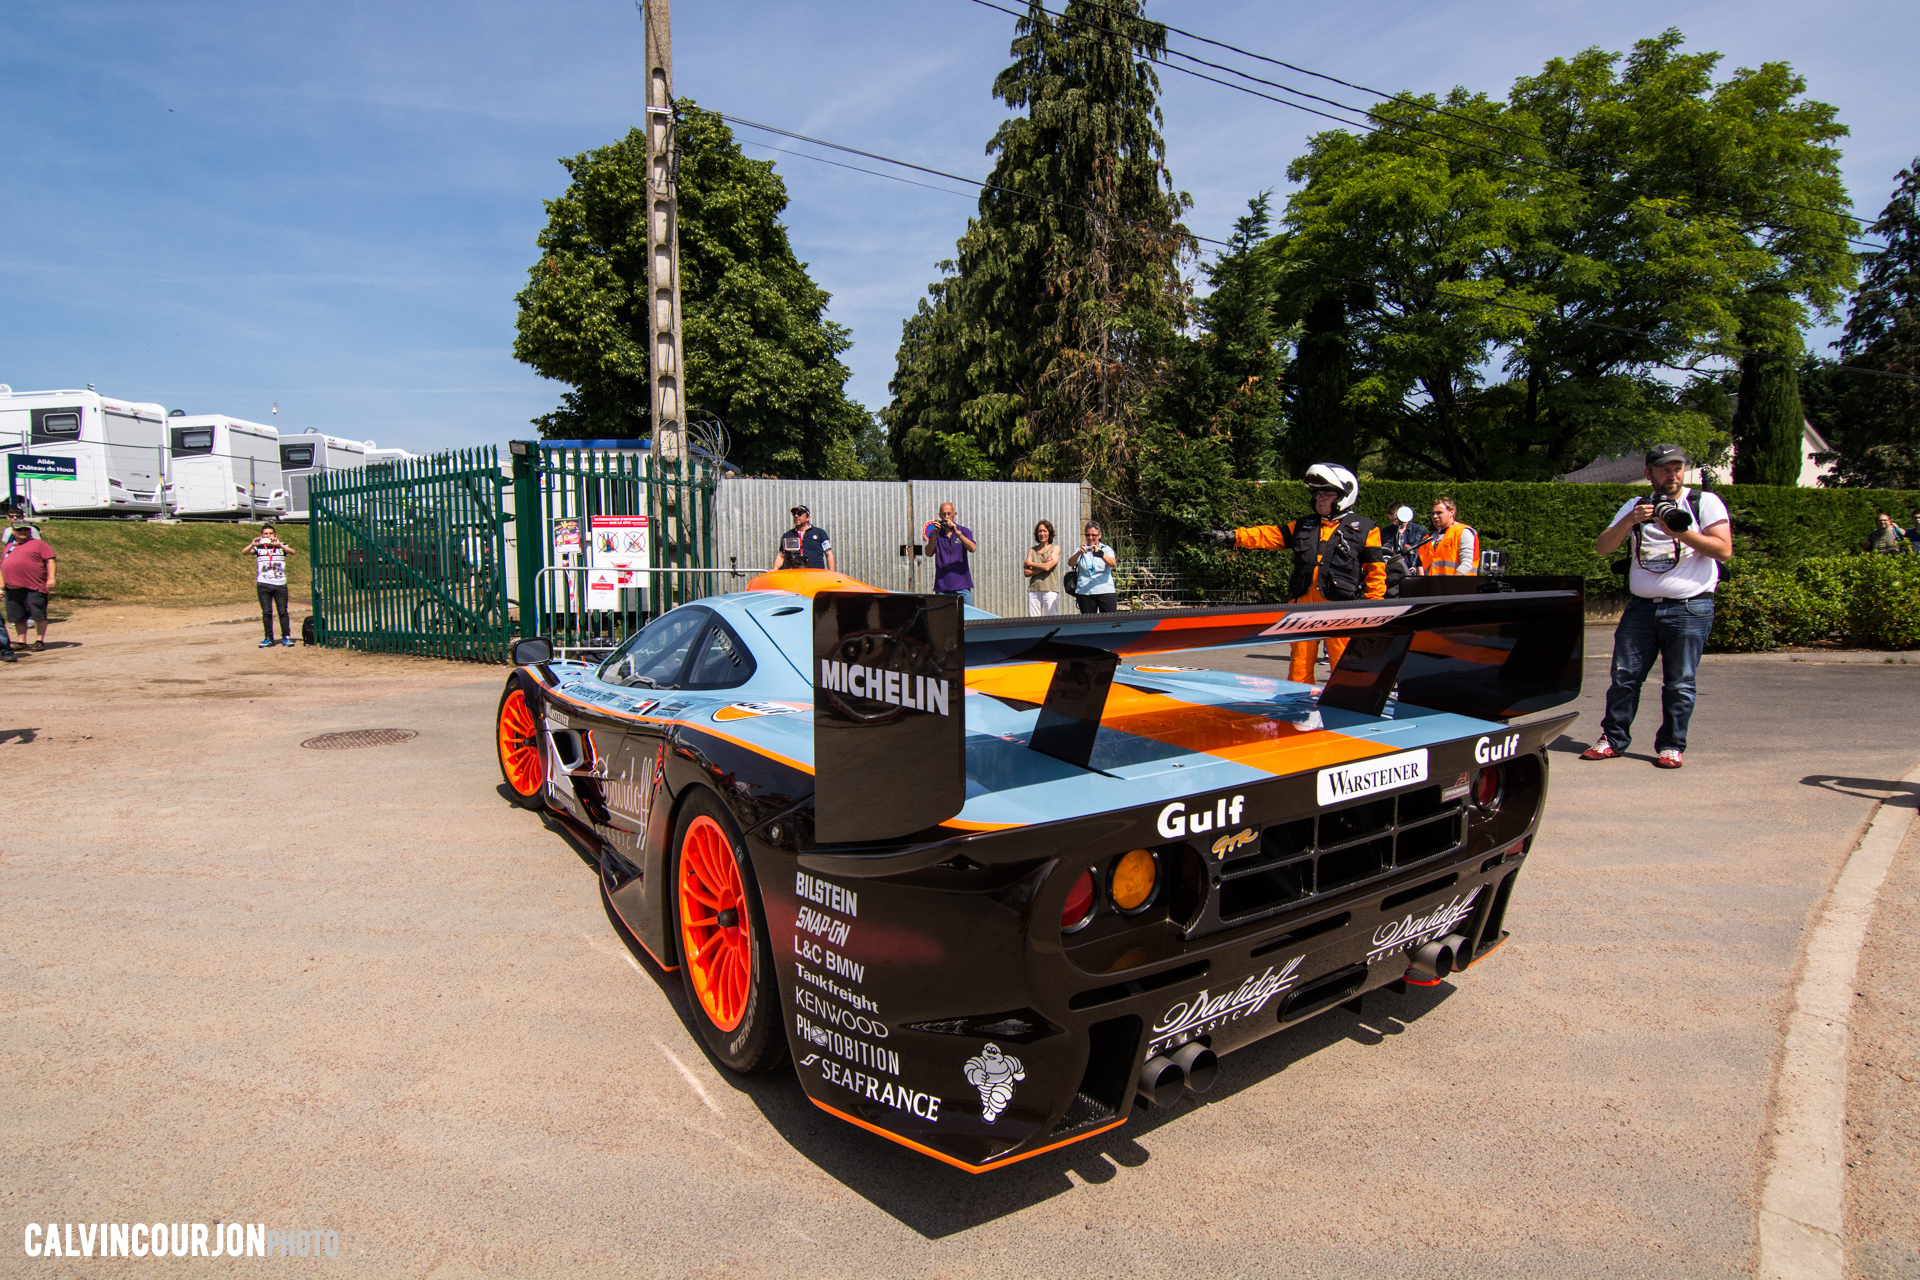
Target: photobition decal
<point>993,1073</point>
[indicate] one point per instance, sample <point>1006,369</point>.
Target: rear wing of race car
<point>889,676</point>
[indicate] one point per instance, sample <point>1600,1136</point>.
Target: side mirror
<point>531,650</point>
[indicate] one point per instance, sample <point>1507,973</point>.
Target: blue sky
<point>220,206</point>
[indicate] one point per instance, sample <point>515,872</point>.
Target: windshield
<point>654,655</point>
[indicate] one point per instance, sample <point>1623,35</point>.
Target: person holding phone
<point>1093,563</point>
<point>270,581</point>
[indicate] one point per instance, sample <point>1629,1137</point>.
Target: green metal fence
<point>585,494</point>
<point>411,559</point>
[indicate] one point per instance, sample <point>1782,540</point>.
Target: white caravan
<point>221,466</point>
<point>303,455</point>
<point>118,447</point>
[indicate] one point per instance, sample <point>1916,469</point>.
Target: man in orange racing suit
<point>1336,555</point>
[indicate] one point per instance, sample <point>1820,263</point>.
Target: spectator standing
<point>1913,535</point>
<point>270,581</point>
<point>29,575</point>
<point>1042,567</point>
<point>805,546</point>
<point>1453,548</point>
<point>951,545</point>
<point>1400,538</point>
<point>1672,579</point>
<point>1336,556</point>
<point>1092,563</point>
<point>1886,538</point>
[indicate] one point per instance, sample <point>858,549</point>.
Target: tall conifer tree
<point>1032,358</point>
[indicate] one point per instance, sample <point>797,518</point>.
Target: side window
<point>721,662</point>
<point>294,457</point>
<point>656,655</point>
<point>191,441</point>
<point>55,426</point>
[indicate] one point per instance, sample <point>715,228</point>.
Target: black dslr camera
<point>1671,514</point>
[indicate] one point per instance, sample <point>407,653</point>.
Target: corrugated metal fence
<point>876,527</point>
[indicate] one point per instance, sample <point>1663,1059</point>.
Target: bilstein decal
<point>993,1073</point>
<point>1364,777</point>
<point>1175,821</point>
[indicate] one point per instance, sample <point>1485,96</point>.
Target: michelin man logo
<point>993,1074</point>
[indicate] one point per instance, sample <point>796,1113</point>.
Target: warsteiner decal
<point>1203,1012</point>
<point>1383,773</point>
<point>1345,620</point>
<point>993,1073</point>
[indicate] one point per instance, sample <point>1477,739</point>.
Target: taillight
<point>1486,787</point>
<point>1080,902</point>
<point>1135,878</point>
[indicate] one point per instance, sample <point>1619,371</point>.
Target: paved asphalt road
<point>242,981</point>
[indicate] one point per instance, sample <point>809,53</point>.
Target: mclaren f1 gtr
<point>990,883</point>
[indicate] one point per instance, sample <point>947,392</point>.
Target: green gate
<point>409,558</point>
<point>572,488</point>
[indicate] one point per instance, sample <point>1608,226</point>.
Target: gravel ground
<point>241,981</point>
<point>1883,1086</point>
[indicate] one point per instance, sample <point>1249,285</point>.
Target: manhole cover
<point>359,738</point>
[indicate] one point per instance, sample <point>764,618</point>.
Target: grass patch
<point>134,562</point>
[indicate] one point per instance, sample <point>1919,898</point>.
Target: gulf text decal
<point>1175,821</point>
<point>1331,620</point>
<point>1487,750</point>
<point>1351,781</point>
<point>919,693</point>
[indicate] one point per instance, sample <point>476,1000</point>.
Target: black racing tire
<point>521,745</point>
<point>726,961</point>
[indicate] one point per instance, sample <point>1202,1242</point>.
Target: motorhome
<point>383,459</point>
<point>223,467</point>
<point>118,447</point>
<point>302,456</point>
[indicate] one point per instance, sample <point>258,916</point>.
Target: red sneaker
<point>1669,759</point>
<point>1601,750</point>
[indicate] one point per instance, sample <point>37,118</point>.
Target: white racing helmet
<point>1330,475</point>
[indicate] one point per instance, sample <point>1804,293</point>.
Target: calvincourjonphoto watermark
<point>176,1240</point>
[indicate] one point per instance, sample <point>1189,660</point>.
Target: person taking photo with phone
<point>270,581</point>
<point>1092,564</point>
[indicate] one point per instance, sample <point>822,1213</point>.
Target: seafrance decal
<point>1413,931</point>
<point>1365,777</point>
<point>993,1073</point>
<point>1194,1017</point>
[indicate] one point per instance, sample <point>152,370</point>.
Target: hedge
<point>1870,602</point>
<point>1550,528</point>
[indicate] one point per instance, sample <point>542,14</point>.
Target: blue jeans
<point>1675,631</point>
<point>966,596</point>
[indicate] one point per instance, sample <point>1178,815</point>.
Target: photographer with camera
<point>270,580</point>
<point>950,543</point>
<point>1679,538</point>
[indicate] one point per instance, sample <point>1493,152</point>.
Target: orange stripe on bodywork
<point>942,1156</point>
<point>959,825</point>
<point>1260,742</point>
<point>595,707</point>
<point>807,582</point>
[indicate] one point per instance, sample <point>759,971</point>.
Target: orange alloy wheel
<point>716,942</point>
<point>520,745</point>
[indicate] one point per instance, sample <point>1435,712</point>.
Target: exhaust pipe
<point>1437,959</point>
<point>1161,1082</point>
<point>1199,1065</point>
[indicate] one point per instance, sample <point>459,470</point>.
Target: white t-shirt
<point>1664,567</point>
<point>270,567</point>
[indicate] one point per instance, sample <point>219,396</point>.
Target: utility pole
<point>666,392</point>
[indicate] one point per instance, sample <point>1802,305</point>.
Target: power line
<point>1535,314</point>
<point>1422,106</point>
<point>1373,124</point>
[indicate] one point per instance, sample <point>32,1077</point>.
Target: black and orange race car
<point>992,883</point>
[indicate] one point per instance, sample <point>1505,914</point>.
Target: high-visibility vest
<point>1455,552</point>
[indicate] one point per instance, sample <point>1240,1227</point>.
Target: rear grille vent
<point>1297,860</point>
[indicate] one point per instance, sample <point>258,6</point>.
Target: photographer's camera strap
<point>1667,550</point>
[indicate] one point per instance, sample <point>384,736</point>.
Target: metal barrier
<point>566,497</point>
<point>410,561</point>
<point>578,622</point>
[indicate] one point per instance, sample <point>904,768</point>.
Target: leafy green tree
<point>1031,358</point>
<point>1613,220</point>
<point>1768,422</point>
<point>760,352</point>
<point>1873,422</point>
